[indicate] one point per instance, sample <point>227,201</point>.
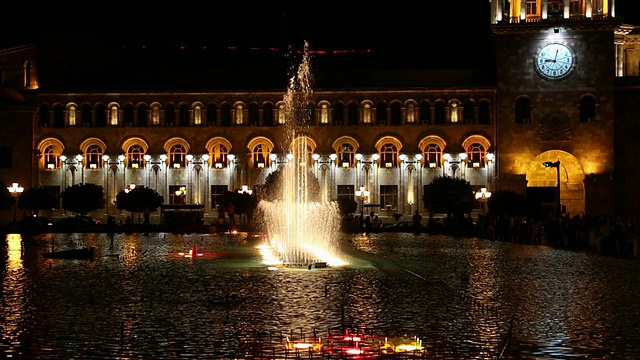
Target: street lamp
<point>555,164</point>
<point>362,195</point>
<point>245,190</point>
<point>483,196</point>
<point>15,191</point>
<point>182,193</point>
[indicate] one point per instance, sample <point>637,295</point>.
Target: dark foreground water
<point>140,300</point>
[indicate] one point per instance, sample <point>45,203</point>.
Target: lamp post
<point>15,189</point>
<point>362,195</point>
<point>483,196</point>
<point>556,164</point>
<point>182,194</point>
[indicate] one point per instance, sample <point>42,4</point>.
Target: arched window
<point>239,115</point>
<point>177,156</point>
<point>324,114</point>
<point>197,115</point>
<point>113,116</point>
<point>587,109</point>
<point>439,113</point>
<point>170,115</point>
<point>183,114</point>
<point>86,113</point>
<point>476,155</point>
<point>366,114</point>
<point>469,112</point>
<point>155,115</point>
<point>282,114</point>
<point>523,111</point>
<point>381,114</point>
<point>484,112</point>
<point>219,153</point>
<point>127,115</point>
<point>454,112</point>
<point>51,158</point>
<point>411,113</point>
<point>212,115</point>
<point>71,115</point>
<point>93,157</point>
<point>388,156</point>
<point>396,114</point>
<point>225,115</point>
<point>143,115</point>
<point>260,154</point>
<point>425,113</point>
<point>432,155</point>
<point>346,154</point>
<point>101,115</point>
<point>253,114</point>
<point>135,157</point>
<point>58,116</point>
<point>352,114</point>
<point>338,114</point>
<point>267,115</point>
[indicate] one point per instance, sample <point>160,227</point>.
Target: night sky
<point>400,33</point>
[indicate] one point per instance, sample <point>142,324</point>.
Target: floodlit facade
<point>563,87</point>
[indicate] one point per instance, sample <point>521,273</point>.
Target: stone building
<point>193,124</point>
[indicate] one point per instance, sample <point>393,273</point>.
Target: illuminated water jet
<point>301,228</point>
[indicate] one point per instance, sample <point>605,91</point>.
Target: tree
<point>141,200</point>
<point>447,195</point>
<point>6,200</point>
<point>36,199</point>
<point>83,198</point>
<point>347,205</point>
<point>275,183</point>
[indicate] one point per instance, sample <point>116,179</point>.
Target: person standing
<point>231,210</point>
<point>417,221</point>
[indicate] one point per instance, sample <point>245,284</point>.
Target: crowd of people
<point>605,235</point>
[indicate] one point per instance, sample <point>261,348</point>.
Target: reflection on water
<point>139,299</point>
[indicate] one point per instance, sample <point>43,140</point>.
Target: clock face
<point>554,62</point>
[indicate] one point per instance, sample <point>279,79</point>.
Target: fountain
<point>301,229</point>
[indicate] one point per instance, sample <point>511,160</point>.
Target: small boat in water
<point>74,254</point>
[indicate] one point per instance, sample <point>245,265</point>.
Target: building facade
<point>563,91</point>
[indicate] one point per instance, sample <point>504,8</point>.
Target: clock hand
<point>555,57</point>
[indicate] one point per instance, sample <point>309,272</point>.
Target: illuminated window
<point>260,155</point>
<point>177,157</point>
<point>366,114</point>
<point>531,7</point>
<point>239,115</point>
<point>51,159</point>
<point>476,155</point>
<point>71,114</point>
<point>135,157</point>
<point>155,115</point>
<point>389,197</point>
<point>324,114</point>
<point>389,156</point>
<point>346,154</point>
<point>197,115</point>
<point>411,113</point>
<point>219,156</point>
<point>113,115</point>
<point>93,157</point>
<point>282,116</point>
<point>454,111</point>
<point>432,155</point>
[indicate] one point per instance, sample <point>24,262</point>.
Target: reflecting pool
<point>144,297</point>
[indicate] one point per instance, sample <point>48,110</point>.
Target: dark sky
<point>439,30</point>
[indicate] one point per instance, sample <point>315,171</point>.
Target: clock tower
<point>556,64</point>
